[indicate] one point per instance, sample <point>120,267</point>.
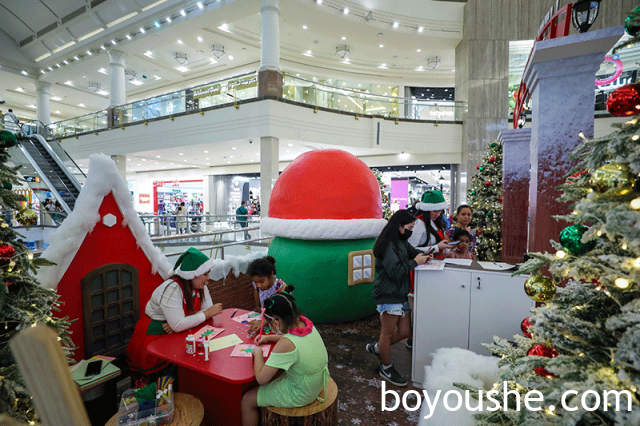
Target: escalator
<point>46,166</point>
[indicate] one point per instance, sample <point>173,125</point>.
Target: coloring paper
<point>245,350</point>
<point>247,317</point>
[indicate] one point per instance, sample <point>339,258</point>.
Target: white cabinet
<point>464,308</point>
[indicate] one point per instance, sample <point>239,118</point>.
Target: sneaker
<point>409,343</point>
<point>392,376</point>
<point>371,348</point>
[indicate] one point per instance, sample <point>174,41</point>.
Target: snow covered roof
<point>103,178</point>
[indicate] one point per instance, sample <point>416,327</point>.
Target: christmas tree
<point>587,337</point>
<point>23,302</point>
<point>384,194</point>
<point>485,197</point>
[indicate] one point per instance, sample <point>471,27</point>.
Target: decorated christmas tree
<point>386,209</point>
<point>23,302</point>
<point>485,197</point>
<point>586,338</point>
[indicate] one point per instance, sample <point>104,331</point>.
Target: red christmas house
<point>106,265</point>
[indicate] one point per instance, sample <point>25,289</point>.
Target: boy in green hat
<point>178,304</point>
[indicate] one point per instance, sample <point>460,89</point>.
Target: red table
<point>220,382</point>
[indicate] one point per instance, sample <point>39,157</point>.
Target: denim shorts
<point>394,308</point>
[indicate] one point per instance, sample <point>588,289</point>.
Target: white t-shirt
<point>170,308</point>
<point>419,237</point>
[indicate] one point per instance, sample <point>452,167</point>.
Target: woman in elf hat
<point>178,304</point>
<point>428,233</point>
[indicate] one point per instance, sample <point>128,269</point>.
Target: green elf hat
<point>192,263</point>
<point>431,201</point>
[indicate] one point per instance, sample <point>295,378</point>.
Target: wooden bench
<point>315,414</point>
<point>187,411</point>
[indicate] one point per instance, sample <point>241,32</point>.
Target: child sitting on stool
<point>299,351</point>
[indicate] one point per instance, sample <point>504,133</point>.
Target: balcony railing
<point>244,87</point>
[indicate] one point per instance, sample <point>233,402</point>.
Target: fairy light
<point>621,283</point>
<point>624,246</point>
<point>30,256</point>
<point>635,137</point>
<point>635,204</point>
<point>637,263</point>
<point>561,254</point>
<point>599,233</point>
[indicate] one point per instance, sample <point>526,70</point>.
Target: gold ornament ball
<point>613,176</point>
<point>27,217</point>
<point>540,288</point>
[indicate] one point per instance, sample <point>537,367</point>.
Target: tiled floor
<point>356,374</point>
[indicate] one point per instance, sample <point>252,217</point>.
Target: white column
<point>270,49</point>
<point>116,70</point>
<point>269,159</point>
<point>43,107</point>
<point>121,164</point>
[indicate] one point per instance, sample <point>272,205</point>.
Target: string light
<point>560,254</point>
<point>635,137</point>
<point>637,263</point>
<point>622,283</point>
<point>635,204</point>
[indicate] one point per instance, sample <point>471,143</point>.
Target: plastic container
<point>130,415</point>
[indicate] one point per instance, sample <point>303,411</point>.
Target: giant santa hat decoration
<point>325,195</point>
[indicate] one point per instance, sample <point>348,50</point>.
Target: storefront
<point>167,196</point>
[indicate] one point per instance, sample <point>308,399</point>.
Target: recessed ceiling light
<point>81,105</point>
<point>231,57</point>
<point>206,152</point>
<point>169,19</point>
<point>199,38</point>
<point>56,98</point>
<point>185,161</point>
<point>19,89</point>
<point>418,50</point>
<point>183,13</point>
<point>157,24</point>
<point>382,45</point>
<point>103,47</point>
<point>206,158</point>
<point>200,6</point>
<point>383,66</point>
<point>297,75</point>
<point>420,29</point>
<point>89,53</point>
<point>128,159</point>
<point>180,153</point>
<point>113,42</point>
<point>142,30</point>
<point>286,150</point>
<point>157,156</point>
<point>307,53</point>
<point>344,82</point>
<point>304,27</point>
<point>233,148</point>
<point>319,1</point>
<point>453,70</point>
<point>345,11</point>
<point>344,38</point>
<point>228,162</point>
<point>139,164</point>
<point>182,69</point>
<point>144,159</point>
<point>208,164</point>
<point>179,41</point>
<point>56,111</point>
<point>148,54</point>
<point>290,144</point>
<point>396,25</point>
<point>231,156</point>
<point>69,83</point>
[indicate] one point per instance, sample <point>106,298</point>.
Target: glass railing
<point>363,102</point>
<point>193,99</point>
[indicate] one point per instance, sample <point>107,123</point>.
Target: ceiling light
<point>103,47</point>
<point>290,144</point>
<point>89,53</point>
<point>345,11</point>
<point>130,75</point>
<point>343,38</point>
<point>23,72</point>
<point>383,66</point>
<point>179,41</point>
<point>148,54</point>
<point>403,155</point>
<point>396,25</point>
<point>200,6</point>
<point>157,77</point>
<point>418,50</point>
<point>224,27</point>
<point>230,57</point>
<point>217,51</point>
<point>19,89</point>
<point>157,24</point>
<point>50,69</point>
<point>434,62</point>
<point>94,86</point>
<point>307,53</point>
<point>76,58</point>
<point>420,29</point>
<point>199,38</point>
<point>182,69</point>
<point>183,13</point>
<point>381,46</point>
<point>181,58</point>
<point>142,30</point>
<point>56,98</point>
<point>304,27</point>
<point>39,58</point>
<point>342,52</point>
<point>206,152</point>
<point>113,42</point>
<point>69,83</point>
<point>169,19</point>
<point>103,71</point>
<point>180,153</point>
<point>56,112</point>
<point>319,1</point>
<point>81,105</point>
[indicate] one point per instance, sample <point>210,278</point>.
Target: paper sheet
<point>224,342</point>
<point>432,265</point>
<point>245,350</point>
<point>208,332</point>
<point>465,262</point>
<point>247,317</point>
<point>496,266</point>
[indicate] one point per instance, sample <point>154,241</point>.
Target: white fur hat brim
<point>202,269</point>
<point>425,207</point>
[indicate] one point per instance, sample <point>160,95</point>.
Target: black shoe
<point>409,343</point>
<point>371,348</point>
<point>392,376</point>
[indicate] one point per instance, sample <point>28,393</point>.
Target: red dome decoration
<point>625,101</point>
<point>336,183</point>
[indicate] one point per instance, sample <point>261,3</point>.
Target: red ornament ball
<point>625,101</point>
<point>499,198</point>
<point>478,167</point>
<point>492,159</point>
<point>488,183</point>
<point>524,327</point>
<point>6,251</point>
<point>479,231</point>
<point>544,351</point>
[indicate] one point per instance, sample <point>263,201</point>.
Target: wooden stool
<point>315,414</point>
<point>187,411</point>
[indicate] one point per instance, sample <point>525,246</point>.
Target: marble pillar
<point>121,164</point>
<point>269,160</point>
<point>116,71</point>
<point>560,79</point>
<point>269,73</point>
<point>515,193</point>
<point>43,106</point>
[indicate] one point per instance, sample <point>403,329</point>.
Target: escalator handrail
<point>44,177</point>
<point>59,162</point>
<point>39,125</point>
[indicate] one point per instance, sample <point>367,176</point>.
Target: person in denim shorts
<point>395,259</point>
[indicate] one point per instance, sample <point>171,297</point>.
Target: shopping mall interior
<point>205,103</point>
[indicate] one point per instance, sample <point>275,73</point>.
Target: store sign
<point>440,114</point>
<point>144,198</point>
<point>243,84</point>
<point>205,91</point>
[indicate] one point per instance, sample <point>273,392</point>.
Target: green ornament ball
<point>7,185</point>
<point>489,213</point>
<point>571,240</point>
<point>493,144</point>
<point>7,139</point>
<point>473,192</point>
<point>632,23</point>
<point>540,288</point>
<point>481,168</point>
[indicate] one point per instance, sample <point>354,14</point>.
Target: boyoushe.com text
<point>533,400</point>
